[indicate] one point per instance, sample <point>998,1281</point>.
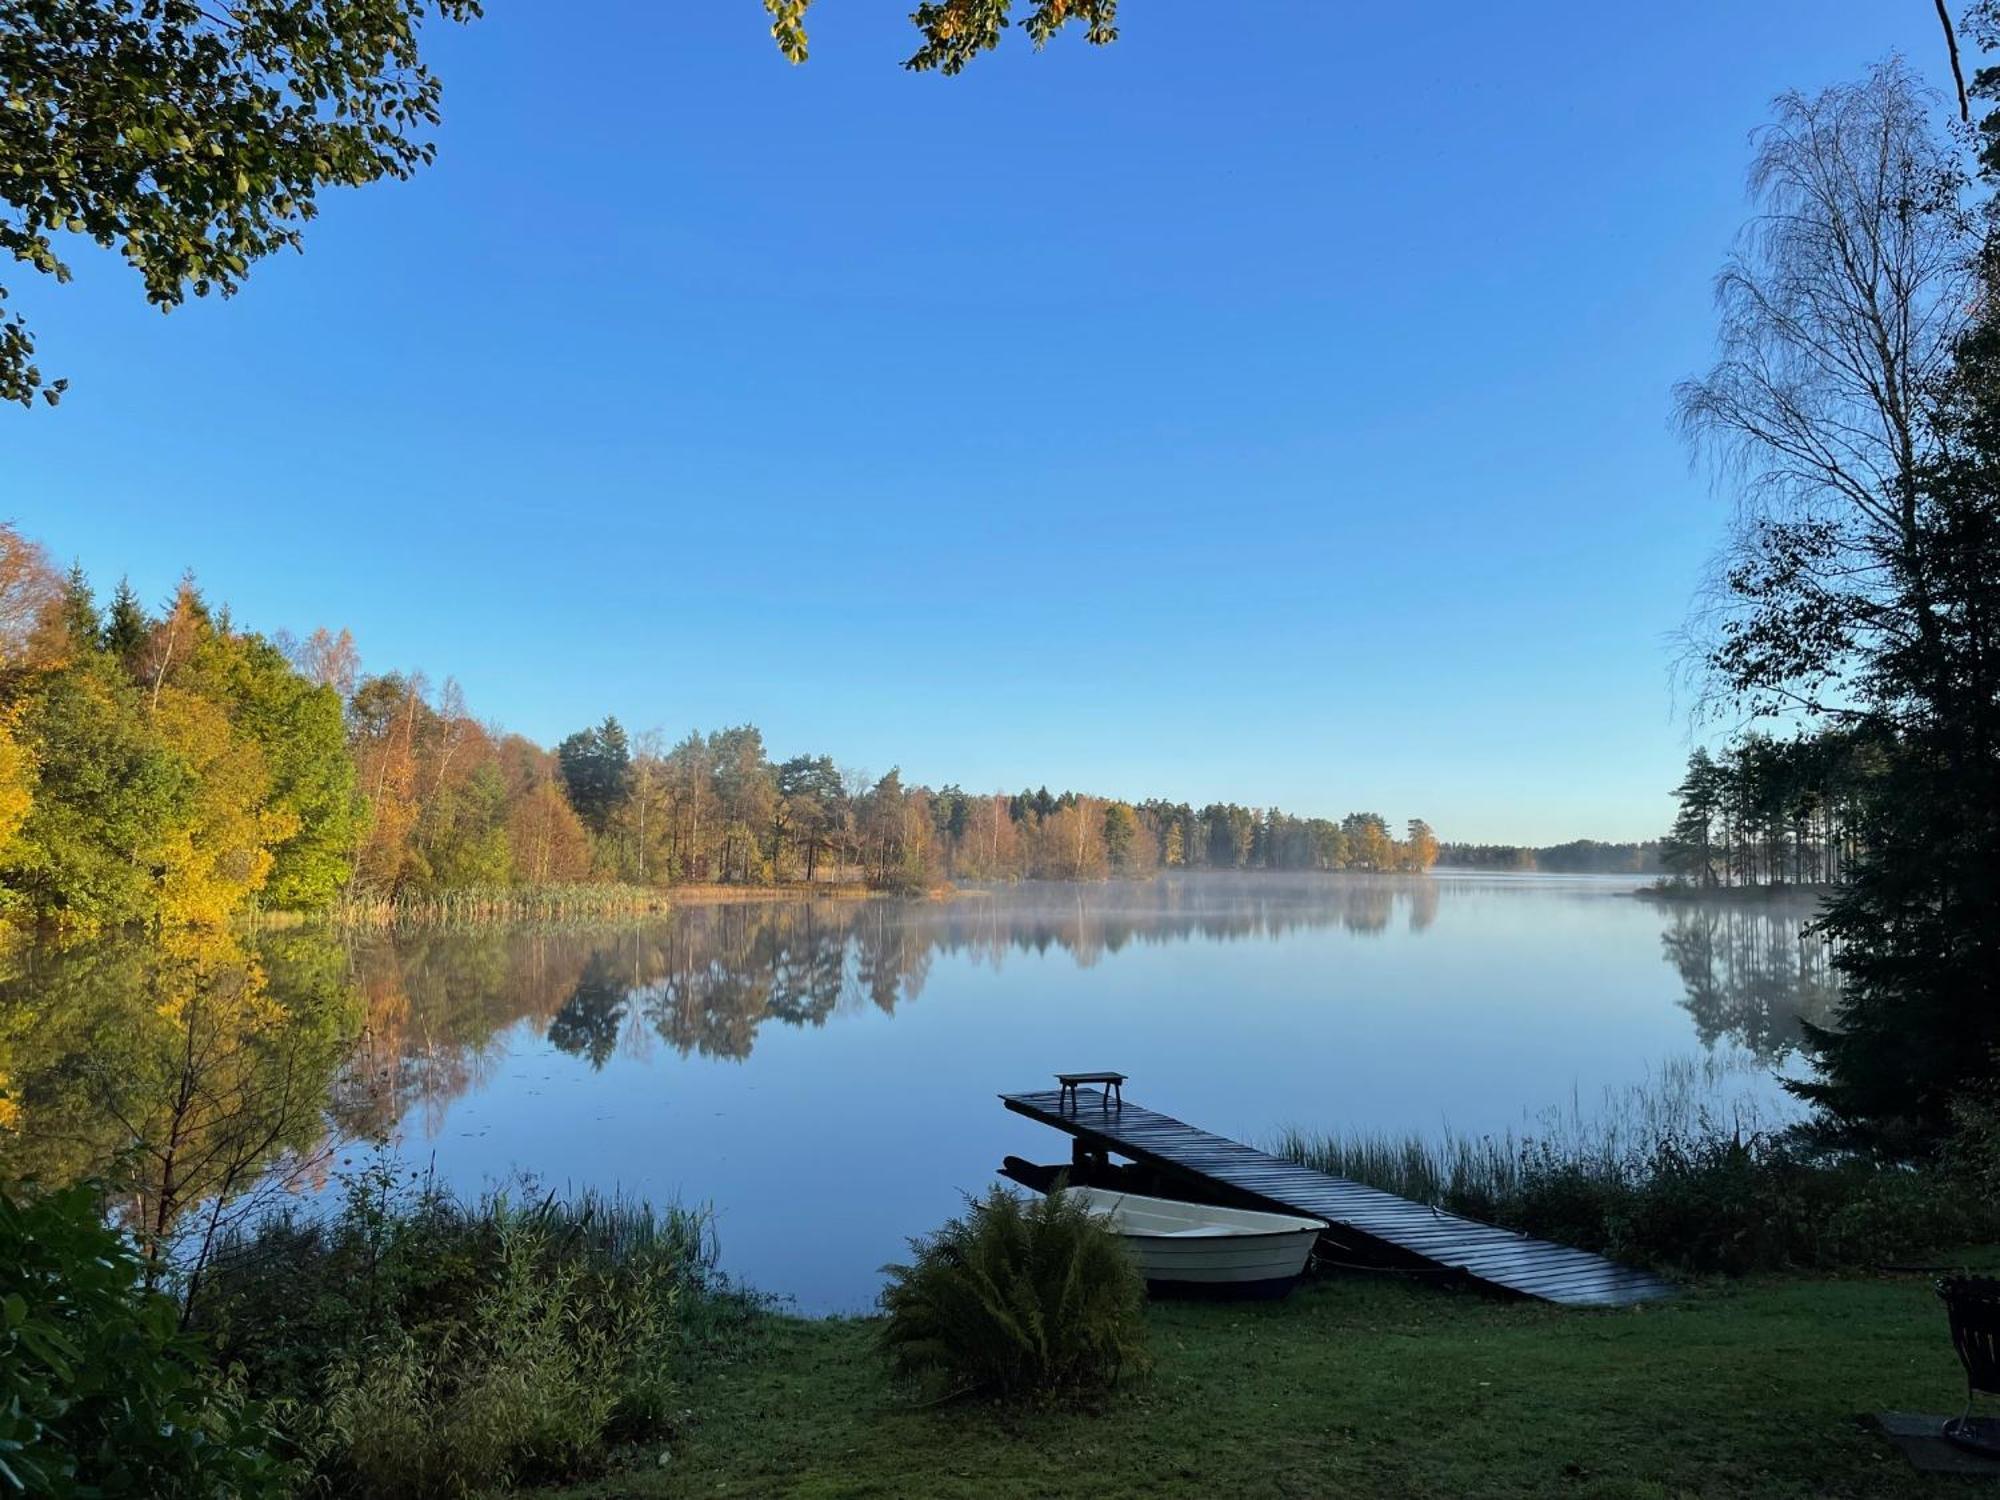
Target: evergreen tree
<point>126,627</point>
<point>1690,849</point>
<point>82,629</point>
<point>1917,926</point>
<point>595,764</point>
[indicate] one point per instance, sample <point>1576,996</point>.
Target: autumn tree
<point>641,821</point>
<point>106,790</point>
<point>549,842</point>
<point>1128,844</point>
<point>1369,846</point>
<point>325,659</point>
<point>746,796</point>
<point>299,729</point>
<point>1069,844</point>
<point>1420,849</point>
<point>384,718</point>
<point>990,848</point>
<point>691,806</point>
<point>30,592</point>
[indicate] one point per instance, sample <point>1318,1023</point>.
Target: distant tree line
<point>169,768</point>
<point>1774,812</point>
<point>1577,857</point>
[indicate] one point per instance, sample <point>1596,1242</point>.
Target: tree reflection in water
<point>185,1069</point>
<point>1752,972</point>
<point>704,982</point>
<point>182,1071</point>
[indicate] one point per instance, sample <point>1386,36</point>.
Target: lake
<point>823,1074</point>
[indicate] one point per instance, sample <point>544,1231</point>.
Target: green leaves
<point>101,1394</point>
<point>959,31</point>
<point>788,27</point>
<point>1018,1298</point>
<point>192,143</point>
<point>956,31</point>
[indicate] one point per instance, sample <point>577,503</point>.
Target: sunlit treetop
<point>954,32</point>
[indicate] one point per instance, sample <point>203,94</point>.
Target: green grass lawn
<point>1368,1388</point>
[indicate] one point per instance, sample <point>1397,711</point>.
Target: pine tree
<point>1917,926</point>
<point>126,628</point>
<point>81,626</point>
<point>1691,846</point>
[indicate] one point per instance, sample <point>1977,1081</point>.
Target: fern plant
<point>1016,1298</point>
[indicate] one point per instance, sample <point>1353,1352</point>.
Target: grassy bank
<point>1366,1387</point>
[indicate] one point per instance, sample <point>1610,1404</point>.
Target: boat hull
<point>1201,1250</point>
<point>1262,1265</point>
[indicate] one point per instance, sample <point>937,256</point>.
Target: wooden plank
<point>1494,1257</point>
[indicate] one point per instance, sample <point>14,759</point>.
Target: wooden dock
<point>1368,1226</point>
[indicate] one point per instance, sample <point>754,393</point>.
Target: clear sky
<point>1276,413</point>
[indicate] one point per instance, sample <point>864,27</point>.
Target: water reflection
<point>188,1070</point>
<point>707,981</point>
<point>184,1071</point>
<point>1752,973</point>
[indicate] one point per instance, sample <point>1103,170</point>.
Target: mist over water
<point>824,1073</point>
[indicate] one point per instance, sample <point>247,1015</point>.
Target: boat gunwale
<point>1200,1225</point>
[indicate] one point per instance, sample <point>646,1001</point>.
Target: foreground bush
<point>428,1346</point>
<point>1016,1298</point>
<point>1685,1199</point>
<point>101,1394</point>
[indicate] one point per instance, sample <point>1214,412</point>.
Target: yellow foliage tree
<point>549,843</point>
<point>17,784</point>
<point>218,855</point>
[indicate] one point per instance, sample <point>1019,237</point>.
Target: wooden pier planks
<point>1396,1231</point>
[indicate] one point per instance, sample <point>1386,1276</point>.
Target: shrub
<point>429,1346</point>
<point>1016,1298</point>
<point>101,1393</point>
<point>526,1385</point>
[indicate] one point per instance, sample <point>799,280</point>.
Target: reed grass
<point>1680,1173</point>
<point>490,904</point>
<point>1686,1098</point>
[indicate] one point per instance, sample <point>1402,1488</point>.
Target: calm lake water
<point>823,1074</point>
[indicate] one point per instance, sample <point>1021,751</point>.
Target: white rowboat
<point>1198,1249</point>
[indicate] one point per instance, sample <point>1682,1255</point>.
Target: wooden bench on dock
<point>1369,1226</point>
<point>1112,1093</point>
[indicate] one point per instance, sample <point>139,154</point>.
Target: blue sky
<point>1275,414</point>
